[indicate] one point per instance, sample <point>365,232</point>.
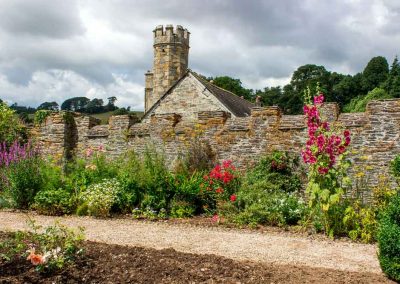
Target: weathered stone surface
<point>171,55</point>
<point>375,134</point>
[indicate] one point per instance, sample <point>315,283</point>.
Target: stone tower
<point>171,51</point>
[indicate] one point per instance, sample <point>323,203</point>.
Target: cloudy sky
<point>51,50</point>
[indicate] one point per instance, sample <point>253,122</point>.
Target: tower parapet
<point>171,58</point>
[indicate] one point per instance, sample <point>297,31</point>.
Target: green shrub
<point>23,180</point>
<point>48,249</point>
<point>40,116</point>
<point>99,198</point>
<point>259,206</point>
<point>395,168</point>
<point>269,193</point>
<point>358,104</point>
<point>81,173</point>
<point>182,209</point>
<point>190,189</point>
<point>11,129</point>
<point>149,180</point>
<point>389,240</point>
<point>53,202</point>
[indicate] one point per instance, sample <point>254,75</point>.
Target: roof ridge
<point>208,82</point>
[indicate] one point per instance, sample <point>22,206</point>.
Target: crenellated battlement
<point>171,35</point>
<point>375,134</point>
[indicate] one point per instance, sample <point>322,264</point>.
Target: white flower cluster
<point>100,197</point>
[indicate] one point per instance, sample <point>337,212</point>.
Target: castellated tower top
<point>171,58</point>
<point>169,35</point>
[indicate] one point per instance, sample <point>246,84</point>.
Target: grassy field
<point>106,115</point>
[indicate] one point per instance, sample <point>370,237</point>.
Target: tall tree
<point>77,104</point>
<point>234,86</point>
<point>49,106</point>
<point>111,104</point>
<point>375,73</point>
<point>95,106</point>
<point>392,84</point>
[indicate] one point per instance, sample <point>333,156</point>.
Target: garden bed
<point>120,264</point>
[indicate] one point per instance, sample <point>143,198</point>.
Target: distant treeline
<point>77,104</point>
<point>351,92</point>
<point>376,81</point>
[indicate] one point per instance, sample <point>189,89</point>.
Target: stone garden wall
<point>375,134</point>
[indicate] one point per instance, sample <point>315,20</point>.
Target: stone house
<point>172,88</point>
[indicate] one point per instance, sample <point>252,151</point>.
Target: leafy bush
<point>40,116</point>
<point>222,181</point>
<point>358,104</point>
<point>277,172</point>
<point>361,219</point>
<point>190,195</point>
<point>361,222</point>
<point>395,168</point>
<point>11,129</point>
<point>147,181</point>
<point>53,202</point>
<point>182,209</point>
<point>48,249</point>
<point>80,173</point>
<point>389,240</point>
<point>269,193</point>
<point>99,198</point>
<point>276,208</point>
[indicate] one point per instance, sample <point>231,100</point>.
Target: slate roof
<point>238,106</point>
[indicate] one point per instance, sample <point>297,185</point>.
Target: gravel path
<point>231,243</point>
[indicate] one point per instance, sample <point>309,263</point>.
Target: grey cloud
<point>96,43</point>
<point>56,18</point>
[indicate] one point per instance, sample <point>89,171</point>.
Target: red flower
<point>219,190</point>
<point>319,99</point>
<point>215,218</point>
<point>233,197</point>
<point>347,140</point>
<point>346,133</point>
<point>323,170</point>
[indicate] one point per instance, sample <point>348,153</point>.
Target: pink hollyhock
<point>319,99</point>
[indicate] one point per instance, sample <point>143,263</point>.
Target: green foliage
<point>190,191</point>
<point>40,116</point>
<point>270,193</point>
<point>359,103</point>
<point>258,205</point>
<point>77,104</point>
<point>275,172</point>
<point>182,209</point>
<point>389,240</point>
<point>53,202</point>
<point>375,73</point>
<point>99,198</point>
<point>23,180</point>
<point>233,85</point>
<point>395,168</point>
<point>10,127</point>
<point>81,173</point>
<point>49,249</point>
<point>361,222</point>
<point>52,106</point>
